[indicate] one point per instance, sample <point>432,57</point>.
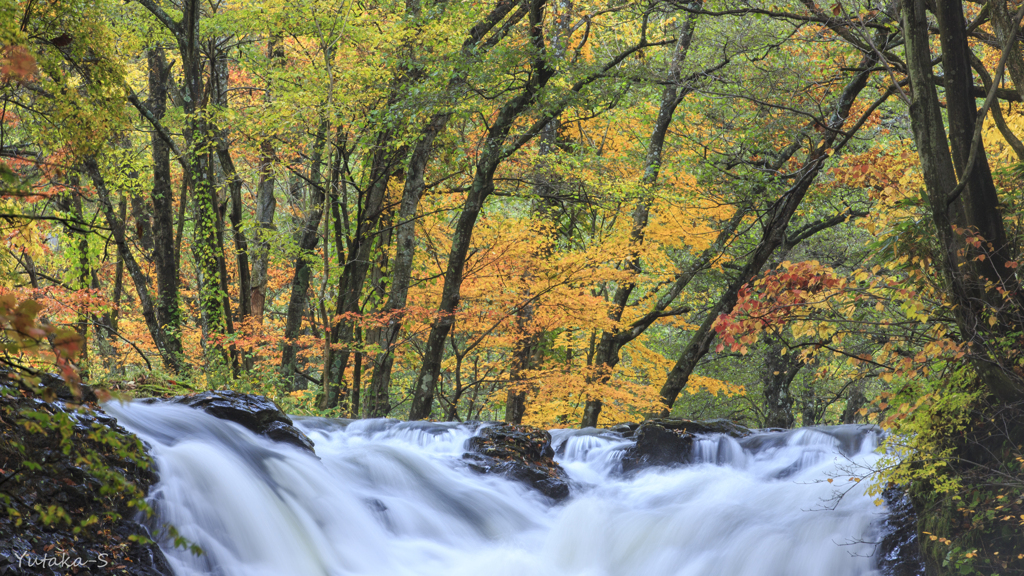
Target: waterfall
<point>392,498</point>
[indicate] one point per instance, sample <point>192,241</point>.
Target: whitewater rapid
<point>388,498</point>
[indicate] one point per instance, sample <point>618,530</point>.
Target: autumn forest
<point>563,213</point>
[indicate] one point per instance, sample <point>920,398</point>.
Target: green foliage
<point>952,449</point>
<point>918,450</point>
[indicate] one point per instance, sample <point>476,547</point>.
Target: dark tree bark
<point>141,214</point>
<point>234,185</point>
<point>368,237</point>
<point>72,202</point>
<point>207,244</point>
<point>976,207</point>
<point>207,241</point>
<point>115,299</point>
<point>779,372</point>
<point>522,359</point>
<point>309,237</point>
<point>171,361</point>
<point>494,151</point>
<point>981,203</point>
<point>165,255</point>
<point>378,393</point>
<point>525,351</point>
<point>492,154</point>
<point>1002,23</point>
<point>266,205</point>
<point>855,400</point>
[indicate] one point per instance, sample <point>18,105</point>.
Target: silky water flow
<point>389,498</point>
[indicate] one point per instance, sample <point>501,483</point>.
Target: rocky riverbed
<point>70,477</point>
<point>73,464</point>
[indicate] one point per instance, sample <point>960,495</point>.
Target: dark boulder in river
<point>714,426</point>
<point>669,441</point>
<point>256,413</point>
<point>657,446</point>
<point>518,452</point>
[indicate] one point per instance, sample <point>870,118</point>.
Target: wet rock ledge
<point>36,474</point>
<point>899,552</point>
<point>257,413</point>
<point>521,453</point>
<point>669,441</point>
<point>108,546</point>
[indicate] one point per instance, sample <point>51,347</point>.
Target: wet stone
<point>657,445</point>
<point>257,413</point>
<point>899,552</point>
<point>107,546</point>
<point>714,426</point>
<point>521,453</point>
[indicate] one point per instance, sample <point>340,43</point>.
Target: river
<point>389,498</point>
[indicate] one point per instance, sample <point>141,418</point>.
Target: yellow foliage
<point>696,383</point>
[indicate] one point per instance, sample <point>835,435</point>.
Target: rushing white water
<point>394,498</point>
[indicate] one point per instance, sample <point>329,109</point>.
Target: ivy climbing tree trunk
<point>197,159</point>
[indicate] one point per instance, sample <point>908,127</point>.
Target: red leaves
<point>17,64</point>
<point>32,337</point>
<point>772,301</point>
<point>19,320</point>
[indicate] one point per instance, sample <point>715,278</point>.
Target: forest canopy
<point>555,213</point>
<point>558,213</point>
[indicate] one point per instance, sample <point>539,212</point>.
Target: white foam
<point>388,498</point>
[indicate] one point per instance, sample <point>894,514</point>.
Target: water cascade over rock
<point>383,497</point>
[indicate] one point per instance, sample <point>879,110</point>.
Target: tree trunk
<point>234,184</point>
<point>207,246</point>
<point>1002,23</point>
<point>367,237</point>
<point>976,208</point>
<point>495,149</point>
<point>378,394</point>
<point>266,204</point>
<point>73,204</point>
<point>607,353</point>
<point>165,256</point>
<point>171,361</point>
<point>423,397</point>
<point>774,235</point>
<point>377,403</point>
<point>308,239</point>
<point>779,372</point>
